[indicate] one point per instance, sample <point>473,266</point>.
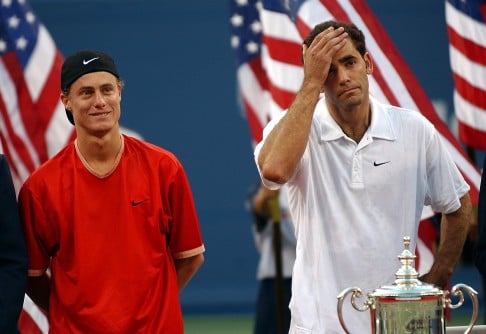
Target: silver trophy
<point>408,305</point>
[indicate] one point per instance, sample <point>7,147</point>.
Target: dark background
<point>180,93</point>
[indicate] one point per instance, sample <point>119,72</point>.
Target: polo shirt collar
<point>380,127</point>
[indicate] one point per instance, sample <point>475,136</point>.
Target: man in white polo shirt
<point>359,173</point>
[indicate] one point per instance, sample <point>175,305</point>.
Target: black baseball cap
<point>81,63</point>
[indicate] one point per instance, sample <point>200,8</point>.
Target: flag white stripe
<point>283,75</point>
<point>22,172</point>
<point>58,131</point>
<point>40,63</point>
<point>252,92</point>
<point>36,314</point>
<point>278,25</point>
<point>472,72</point>
<point>469,114</point>
<point>376,91</point>
<point>9,96</point>
<point>275,109</point>
<point>312,12</point>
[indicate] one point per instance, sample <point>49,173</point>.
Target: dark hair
<point>354,33</point>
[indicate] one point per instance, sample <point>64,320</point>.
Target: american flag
<point>33,124</point>
<point>466,27</point>
<point>267,37</point>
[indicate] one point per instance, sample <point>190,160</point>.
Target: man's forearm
<point>186,268</point>
<point>285,144</point>
<point>454,230</point>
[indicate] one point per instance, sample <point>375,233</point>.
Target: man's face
<point>94,100</point>
<point>347,82</point>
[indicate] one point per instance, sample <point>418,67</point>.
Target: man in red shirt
<point>111,216</point>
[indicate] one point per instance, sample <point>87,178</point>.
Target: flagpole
<point>277,247</point>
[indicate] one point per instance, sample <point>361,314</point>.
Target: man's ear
<point>65,101</point>
<point>368,62</point>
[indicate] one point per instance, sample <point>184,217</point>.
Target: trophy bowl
<point>408,305</point>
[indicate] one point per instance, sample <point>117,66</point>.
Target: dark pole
<point>471,152</point>
<point>277,248</point>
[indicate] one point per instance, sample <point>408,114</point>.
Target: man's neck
<point>354,121</point>
<point>100,154</point>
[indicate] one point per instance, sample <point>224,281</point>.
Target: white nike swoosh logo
<point>86,62</point>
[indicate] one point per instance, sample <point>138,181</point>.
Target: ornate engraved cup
<point>408,305</point>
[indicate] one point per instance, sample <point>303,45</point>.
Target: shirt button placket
<point>356,174</point>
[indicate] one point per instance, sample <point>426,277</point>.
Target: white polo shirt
<point>352,204</point>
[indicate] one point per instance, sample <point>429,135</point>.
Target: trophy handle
<point>356,294</point>
<point>456,291</point>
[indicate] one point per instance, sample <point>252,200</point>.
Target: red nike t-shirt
<point>110,242</point>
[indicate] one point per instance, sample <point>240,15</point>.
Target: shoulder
<point>404,118</point>
<point>150,153</point>
<point>54,167</point>
<point>402,113</point>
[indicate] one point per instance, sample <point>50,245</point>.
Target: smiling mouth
<point>101,114</point>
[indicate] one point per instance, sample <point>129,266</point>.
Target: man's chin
<point>351,101</point>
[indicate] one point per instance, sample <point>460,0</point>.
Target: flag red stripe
<point>27,325</point>
<point>25,106</point>
<point>255,126</point>
<point>38,117</point>
<point>281,97</point>
<point>302,28</point>
<point>17,142</point>
<point>473,95</point>
<point>283,51</point>
<point>259,72</point>
<point>336,10</point>
<point>472,137</point>
<point>474,191</point>
<point>475,52</point>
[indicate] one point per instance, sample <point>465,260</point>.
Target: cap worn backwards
<point>81,63</point>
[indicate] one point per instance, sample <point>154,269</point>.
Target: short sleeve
<point>185,234</point>
<point>33,217</point>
